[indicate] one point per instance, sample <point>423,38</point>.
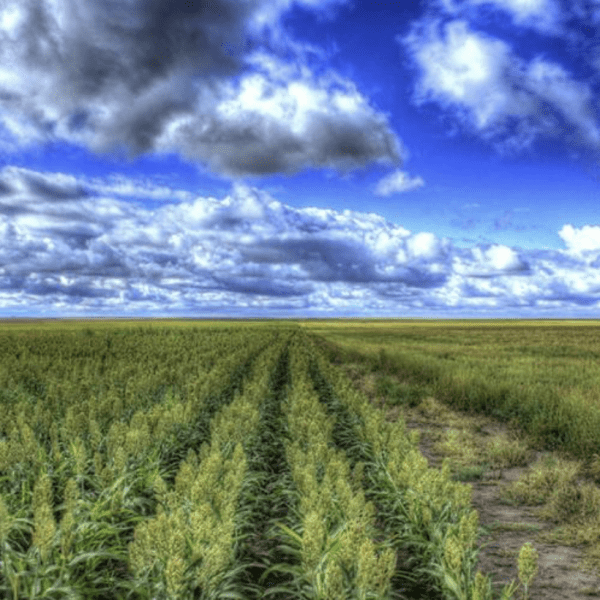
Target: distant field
<point>110,324</point>
<point>544,375</point>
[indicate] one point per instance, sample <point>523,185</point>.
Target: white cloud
<point>397,182</point>
<point>499,258</point>
<point>121,186</point>
<point>267,13</point>
<point>424,245</point>
<point>141,77</point>
<point>573,99</point>
<point>67,247</point>
<point>468,69</point>
<point>490,261</point>
<point>486,84</point>
<point>544,15</point>
<point>581,242</point>
<point>281,120</point>
<point>522,9</point>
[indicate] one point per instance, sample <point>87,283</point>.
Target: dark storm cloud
<point>142,76</point>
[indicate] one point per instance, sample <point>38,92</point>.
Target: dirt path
<point>561,575</point>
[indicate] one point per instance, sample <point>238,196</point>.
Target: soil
<point>561,575</point>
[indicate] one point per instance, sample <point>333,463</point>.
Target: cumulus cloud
<point>425,245</point>
<point>188,77</point>
<point>66,239</point>
<point>397,182</point>
<point>68,247</point>
<point>281,120</point>
<point>581,242</point>
<point>491,89</point>
<point>494,260</point>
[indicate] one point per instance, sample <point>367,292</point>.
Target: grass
<point>541,376</point>
<point>504,453</point>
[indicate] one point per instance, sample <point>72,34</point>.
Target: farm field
<point>543,376</point>
<point>513,406</point>
<point>217,460</point>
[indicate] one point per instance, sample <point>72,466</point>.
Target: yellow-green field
<point>172,459</point>
<point>178,461</point>
<point>543,375</point>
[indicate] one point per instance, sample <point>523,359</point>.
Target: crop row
<point>68,507</point>
<point>427,515</point>
<point>335,537</point>
<point>190,544</point>
<point>262,474</point>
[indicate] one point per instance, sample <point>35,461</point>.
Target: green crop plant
<point>423,508</point>
<point>203,504</point>
<point>176,461</point>
<point>528,567</point>
<point>336,544</point>
<point>79,450</point>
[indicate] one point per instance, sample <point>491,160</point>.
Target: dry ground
<point>491,457</point>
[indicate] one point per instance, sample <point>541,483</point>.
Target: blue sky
<point>297,158</point>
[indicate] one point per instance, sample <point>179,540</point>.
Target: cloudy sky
<point>297,158</point>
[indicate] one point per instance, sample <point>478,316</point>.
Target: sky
<point>300,158</point>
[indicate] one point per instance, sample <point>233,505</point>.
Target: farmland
<point>208,460</point>
<point>542,375</point>
<point>513,405</point>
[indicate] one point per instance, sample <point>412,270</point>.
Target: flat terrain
<point>527,486</point>
<point>119,471</point>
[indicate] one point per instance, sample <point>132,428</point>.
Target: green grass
<point>542,375</point>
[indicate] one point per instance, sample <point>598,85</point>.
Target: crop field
<point>542,375</point>
<point>171,460</point>
<point>510,404</point>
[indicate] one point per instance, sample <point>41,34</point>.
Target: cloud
<point>69,247</point>
<point>202,79</point>
<point>581,242</point>
<point>425,245</point>
<point>499,258</point>
<point>495,92</point>
<point>522,9</point>
<point>544,15</point>
<point>276,121</point>
<point>465,68</point>
<point>398,181</point>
